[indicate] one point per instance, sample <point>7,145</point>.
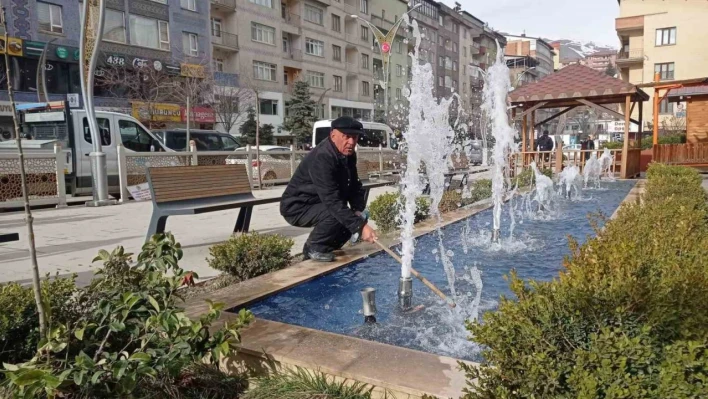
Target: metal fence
<point>45,178</point>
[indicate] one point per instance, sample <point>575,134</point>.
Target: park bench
<point>9,237</point>
<point>193,190</point>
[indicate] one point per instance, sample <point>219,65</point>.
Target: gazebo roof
<point>576,82</point>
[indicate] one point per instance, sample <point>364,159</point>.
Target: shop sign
<point>5,108</point>
<point>15,47</point>
<point>62,52</point>
<point>140,62</point>
<point>115,60</point>
<point>193,71</point>
<point>173,69</point>
<point>159,112</point>
<point>77,55</point>
<point>199,115</point>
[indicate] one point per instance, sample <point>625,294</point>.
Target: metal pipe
<point>405,293</point>
<point>495,235</point>
<point>368,296</point>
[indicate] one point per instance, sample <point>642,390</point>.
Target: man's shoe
<point>320,256</point>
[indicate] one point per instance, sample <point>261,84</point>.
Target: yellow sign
<point>15,46</point>
<point>193,71</point>
<point>158,112</point>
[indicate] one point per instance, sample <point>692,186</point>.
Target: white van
<point>376,134</point>
<point>70,128</point>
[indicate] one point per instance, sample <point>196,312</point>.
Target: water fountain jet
<point>368,296</point>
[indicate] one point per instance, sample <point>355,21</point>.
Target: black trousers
<point>327,235</point>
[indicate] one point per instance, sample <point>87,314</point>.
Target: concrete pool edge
<point>382,365</point>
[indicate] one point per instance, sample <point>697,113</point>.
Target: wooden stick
<point>414,272</point>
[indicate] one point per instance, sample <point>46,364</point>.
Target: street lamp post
<point>384,42</point>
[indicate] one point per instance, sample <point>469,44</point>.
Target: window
<point>262,33</point>
<point>426,9</point>
<point>114,26</point>
<point>454,47</point>
<point>218,65</point>
<point>264,70</point>
<point>364,33</point>
<point>365,61</point>
<point>454,84</point>
<point>216,27</point>
<point>314,14</point>
<point>134,137</point>
<point>316,79</point>
<point>160,1</point>
<point>338,84</point>
<point>364,6</point>
<point>286,43</point>
<point>148,32</point>
<point>268,107</point>
<point>433,36</point>
<point>398,94</point>
<point>665,70</point>
<point>264,3</point>
<point>49,16</point>
<point>441,81</point>
<point>336,23</point>
<point>456,28</point>
<point>104,126</point>
<point>666,36</point>
<point>365,88</point>
<point>399,70</point>
<point>190,44</point>
<point>665,107</point>
<point>441,20</point>
<point>336,53</point>
<point>190,5</point>
<point>441,61</point>
<point>454,65</point>
<point>399,46</point>
<point>441,40</point>
<point>464,51</point>
<point>464,33</point>
<point>314,47</point>
<point>448,63</point>
<point>448,82</point>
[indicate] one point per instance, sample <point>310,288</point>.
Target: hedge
<point>627,317</point>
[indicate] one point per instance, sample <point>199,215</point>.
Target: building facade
<point>534,47</point>
<point>159,34</point>
<point>664,37</point>
<point>602,60</point>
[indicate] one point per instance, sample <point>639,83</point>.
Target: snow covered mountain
<point>573,50</point>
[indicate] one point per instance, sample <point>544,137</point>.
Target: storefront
<point>164,115</point>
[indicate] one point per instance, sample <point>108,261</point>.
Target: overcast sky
<point>555,19</point>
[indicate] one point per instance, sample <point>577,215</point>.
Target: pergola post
<point>655,133</point>
<point>524,128</point>
<point>625,147</point>
<point>641,123</point>
<point>532,130</point>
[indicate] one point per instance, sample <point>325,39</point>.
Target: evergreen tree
<point>611,70</point>
<point>301,112</point>
<point>248,130</point>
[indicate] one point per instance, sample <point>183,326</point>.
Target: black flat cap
<point>348,125</point>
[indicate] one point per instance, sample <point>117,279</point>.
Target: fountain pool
<point>333,302</point>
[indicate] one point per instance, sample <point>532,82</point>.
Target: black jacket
<point>326,176</point>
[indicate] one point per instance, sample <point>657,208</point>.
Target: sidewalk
<point>68,239</point>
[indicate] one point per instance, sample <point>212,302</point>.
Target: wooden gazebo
<point>575,86</point>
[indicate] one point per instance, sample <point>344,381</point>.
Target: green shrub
<point>478,190</point>
<point>299,383</point>
<point>19,328</point>
<point>450,201</point>
<point>250,255</point>
<point>612,145</point>
<point>526,178</point>
<point>648,143</point>
<point>130,332</point>
<point>627,317</point>
<point>386,208</point>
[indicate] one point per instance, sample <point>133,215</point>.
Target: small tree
<point>227,103</point>
<point>248,130</point>
<point>611,70</point>
<point>302,114</point>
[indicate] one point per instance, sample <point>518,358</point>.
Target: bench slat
<point>181,183</point>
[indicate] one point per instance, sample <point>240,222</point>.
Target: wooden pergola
<point>572,87</point>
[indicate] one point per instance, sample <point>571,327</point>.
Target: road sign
<point>73,99</point>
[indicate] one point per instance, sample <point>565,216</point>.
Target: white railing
<point>276,167</point>
<point>45,173</point>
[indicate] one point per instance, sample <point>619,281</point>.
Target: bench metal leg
<point>244,220</point>
<point>157,226</point>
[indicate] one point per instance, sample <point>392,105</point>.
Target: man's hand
<point>357,213</point>
<point>368,234</point>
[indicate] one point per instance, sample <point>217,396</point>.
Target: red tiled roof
<point>574,81</point>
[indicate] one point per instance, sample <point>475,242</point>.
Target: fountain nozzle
<point>495,235</point>
<point>405,293</point>
<point>368,296</point>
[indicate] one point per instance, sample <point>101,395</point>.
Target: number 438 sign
<point>115,60</point>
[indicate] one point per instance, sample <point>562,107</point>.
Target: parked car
<point>205,140</point>
<point>274,161</point>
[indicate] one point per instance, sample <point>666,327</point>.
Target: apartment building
<point>602,60</point>
<point>427,17</point>
<point>470,78</point>
<point>448,61</point>
<point>384,14</point>
<point>166,35</point>
<point>664,37</point>
<point>534,47</point>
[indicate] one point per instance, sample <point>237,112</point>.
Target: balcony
<point>482,50</point>
<point>631,56</point>
<point>292,19</point>
<point>224,40</point>
<point>227,5</point>
<point>381,23</point>
<point>226,79</point>
<point>629,23</point>
<point>351,7</point>
<point>294,54</point>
